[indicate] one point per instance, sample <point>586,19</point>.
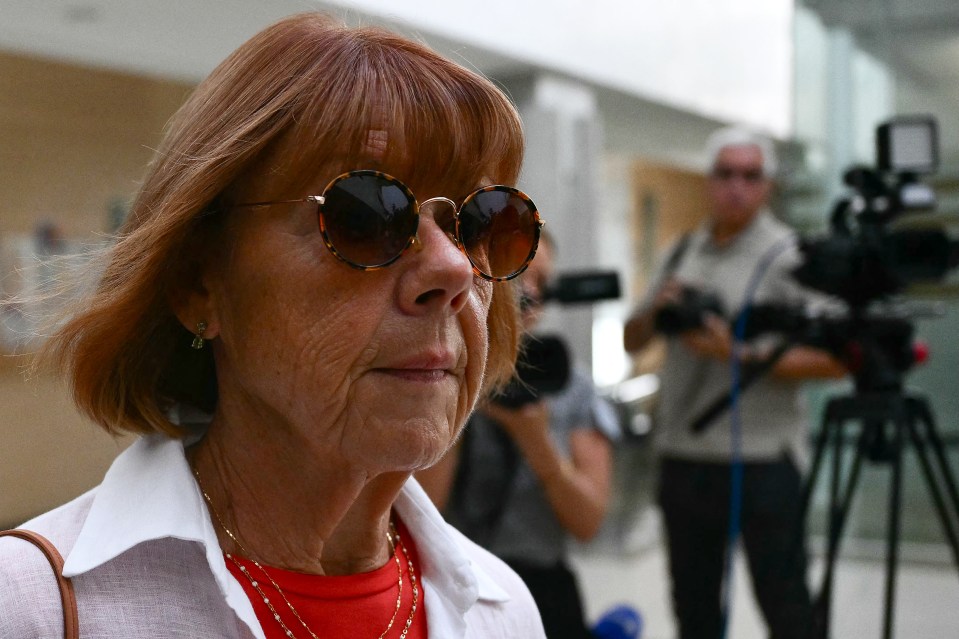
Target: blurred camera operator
<point>707,270</point>
<point>522,479</point>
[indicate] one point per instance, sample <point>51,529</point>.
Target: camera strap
<point>676,256</point>
<point>751,374</point>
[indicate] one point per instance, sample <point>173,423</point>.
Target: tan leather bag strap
<point>71,621</point>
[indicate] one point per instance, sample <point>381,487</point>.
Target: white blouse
<point>143,556</point>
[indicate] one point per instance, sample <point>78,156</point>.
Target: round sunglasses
<point>368,219</point>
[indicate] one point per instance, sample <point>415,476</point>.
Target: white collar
<point>150,493</point>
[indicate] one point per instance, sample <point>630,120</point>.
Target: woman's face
<point>379,367</point>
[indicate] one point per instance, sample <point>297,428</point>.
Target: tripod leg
<point>934,490</point>
<point>838,511</point>
<point>828,425</point>
<point>821,438</point>
<point>892,549</point>
<point>925,416</point>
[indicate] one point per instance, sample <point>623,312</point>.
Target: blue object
<point>619,622</point>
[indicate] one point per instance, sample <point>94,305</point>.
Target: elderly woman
<point>294,333</point>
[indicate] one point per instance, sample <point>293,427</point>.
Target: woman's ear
<point>194,305</point>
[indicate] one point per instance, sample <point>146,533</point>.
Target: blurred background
<point>617,98</point>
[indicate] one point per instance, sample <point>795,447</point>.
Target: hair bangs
<point>399,108</point>
<point>461,134</point>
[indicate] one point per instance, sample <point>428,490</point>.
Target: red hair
<point>305,95</point>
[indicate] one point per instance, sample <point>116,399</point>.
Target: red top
<point>354,606</point>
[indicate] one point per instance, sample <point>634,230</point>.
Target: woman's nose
<point>438,275</point>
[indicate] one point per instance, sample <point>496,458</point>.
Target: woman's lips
<point>424,368</point>
<point>424,375</point>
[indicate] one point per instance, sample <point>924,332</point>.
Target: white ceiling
<point>180,39</point>
<point>651,50</point>
<point>186,38</point>
<point>918,38</point>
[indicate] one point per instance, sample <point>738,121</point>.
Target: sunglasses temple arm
<point>316,199</point>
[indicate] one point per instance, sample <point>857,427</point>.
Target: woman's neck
<point>292,507</point>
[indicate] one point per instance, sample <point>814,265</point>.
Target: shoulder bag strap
<point>71,621</point>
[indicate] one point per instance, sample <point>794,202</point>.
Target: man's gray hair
<point>740,136</point>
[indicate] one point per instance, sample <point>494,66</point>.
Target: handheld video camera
<point>689,313</point>
<point>544,362</point>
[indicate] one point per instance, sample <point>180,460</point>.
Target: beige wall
<point>48,453</point>
<point>667,202</point>
<point>73,141</point>
<point>680,202</point>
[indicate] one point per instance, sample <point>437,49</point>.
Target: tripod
<point>889,422</point>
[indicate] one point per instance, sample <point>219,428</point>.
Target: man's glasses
<point>726,173</point>
<point>368,219</point>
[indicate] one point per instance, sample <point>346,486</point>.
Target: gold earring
<point>198,341</point>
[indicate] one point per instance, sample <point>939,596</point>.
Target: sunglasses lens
<point>367,218</point>
<point>499,229</point>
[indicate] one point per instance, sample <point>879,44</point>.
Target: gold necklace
<point>391,535</point>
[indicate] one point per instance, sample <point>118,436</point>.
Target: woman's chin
<point>403,445</point>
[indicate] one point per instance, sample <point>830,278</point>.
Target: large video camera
<point>544,362</point>
<point>864,260</point>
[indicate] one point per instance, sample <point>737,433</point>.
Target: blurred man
<point>716,262</point>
